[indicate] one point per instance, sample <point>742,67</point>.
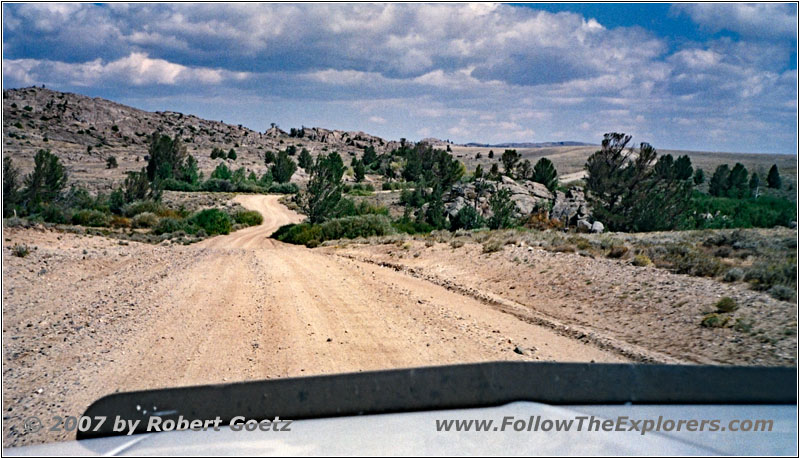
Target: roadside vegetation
<point>134,210</point>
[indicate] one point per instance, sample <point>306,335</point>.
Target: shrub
<point>456,243</point>
<point>743,325</point>
<point>641,260</point>
<point>213,221</point>
<point>409,226</point>
<point>218,185</point>
<point>120,222</point>
<point>492,245</point>
<point>467,218</point>
<point>20,250</point>
<point>248,218</point>
<point>337,228</point>
<point>733,275</point>
<point>88,217</point>
<point>54,214</point>
<point>580,242</point>
<point>684,259</point>
<point>145,220</point>
<point>763,275</point>
<point>781,292</point>
<point>618,251</point>
<point>135,208</point>
<point>178,185</point>
<point>168,225</point>
<point>726,304</point>
<point>283,188</point>
<point>714,321</point>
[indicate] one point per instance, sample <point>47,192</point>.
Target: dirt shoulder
<point>611,302</point>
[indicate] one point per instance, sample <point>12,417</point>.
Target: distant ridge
<point>566,143</point>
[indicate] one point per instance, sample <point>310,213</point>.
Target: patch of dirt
<point>611,301</point>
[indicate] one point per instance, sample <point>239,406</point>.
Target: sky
<point>712,77</point>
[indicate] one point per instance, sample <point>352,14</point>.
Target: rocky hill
<point>85,131</point>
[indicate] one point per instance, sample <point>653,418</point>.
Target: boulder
<point>598,227</point>
<point>584,226</point>
<point>537,190</point>
<point>570,207</point>
<point>452,208</point>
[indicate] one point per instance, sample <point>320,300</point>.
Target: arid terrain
<point>91,311</point>
<point>85,316</point>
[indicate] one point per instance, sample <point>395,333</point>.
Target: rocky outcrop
<point>528,196</point>
<point>570,207</point>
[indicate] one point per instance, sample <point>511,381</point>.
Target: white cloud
<point>748,19</point>
<point>137,69</point>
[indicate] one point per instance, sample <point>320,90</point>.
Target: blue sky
<point>719,77</point>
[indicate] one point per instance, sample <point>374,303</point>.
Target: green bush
<point>20,250</point>
<point>763,275</point>
<point>283,188</point>
<point>782,292</point>
<point>337,228</point>
<point>168,225</point>
<point>137,207</point>
<point>412,227</point>
<point>761,212</point>
<point>641,260</point>
<point>213,221</point>
<point>248,217</point>
<point>714,321</point>
<point>172,184</point>
<point>215,184</point>
<point>54,214</point>
<point>145,220</point>
<point>726,304</point>
<point>88,217</point>
<point>733,275</point>
<point>467,218</point>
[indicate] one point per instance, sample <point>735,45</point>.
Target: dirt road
<point>102,317</point>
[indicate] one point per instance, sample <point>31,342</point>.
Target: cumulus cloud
<point>764,20</point>
<point>137,69</point>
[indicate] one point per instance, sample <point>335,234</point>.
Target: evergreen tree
<point>324,187</point>
<point>478,172</point>
<point>47,180</point>
<point>755,183</point>
<point>737,182</point>
<point>494,172</point>
<point>510,159</point>
<point>632,191</point>
<point>718,185</point>
<point>166,157</point>
<point>305,160</point>
<point>544,172</point>
<point>283,168</point>
<point>359,170</point>
<point>502,209</point>
<point>774,177</point>
<point>699,177</point>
